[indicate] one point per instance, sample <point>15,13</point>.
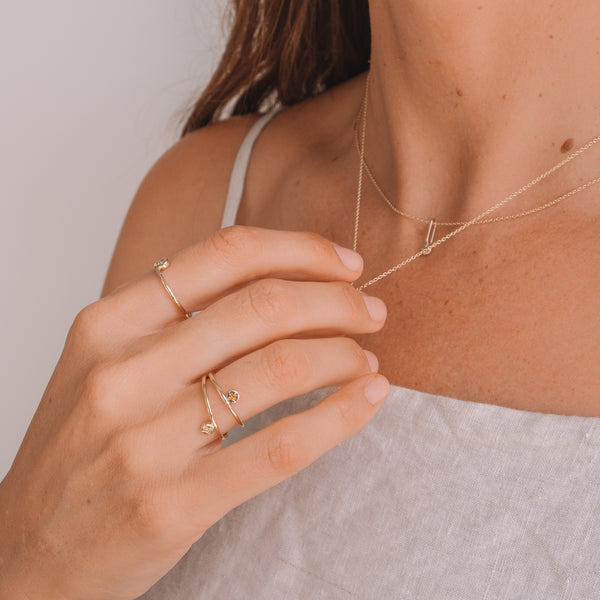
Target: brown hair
<point>284,51</point>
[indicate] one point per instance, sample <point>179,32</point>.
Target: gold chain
<point>484,221</point>
<point>462,225</point>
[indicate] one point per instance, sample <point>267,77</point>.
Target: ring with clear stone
<point>160,266</point>
<point>209,426</point>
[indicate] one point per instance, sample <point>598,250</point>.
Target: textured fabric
<point>436,499</point>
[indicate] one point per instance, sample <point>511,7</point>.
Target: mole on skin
<point>567,145</point>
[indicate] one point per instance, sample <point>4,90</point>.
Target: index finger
<point>224,262</point>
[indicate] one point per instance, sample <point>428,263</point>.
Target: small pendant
<point>430,237</point>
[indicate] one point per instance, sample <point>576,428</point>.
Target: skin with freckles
<point>469,101</point>
<point>520,95</point>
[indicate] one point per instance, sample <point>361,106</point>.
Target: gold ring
<point>159,267</point>
<point>210,426</point>
<point>231,397</point>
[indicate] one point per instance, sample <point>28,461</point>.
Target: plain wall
<point>91,95</point>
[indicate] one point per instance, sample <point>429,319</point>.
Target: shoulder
<point>299,144</point>
<point>179,201</point>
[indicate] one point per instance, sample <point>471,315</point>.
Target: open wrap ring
<point>159,267</point>
<point>229,398</point>
<point>209,426</point>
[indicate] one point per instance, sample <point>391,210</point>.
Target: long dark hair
<point>284,51</point>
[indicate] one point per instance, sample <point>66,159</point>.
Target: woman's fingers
<point>223,480</point>
<point>282,370</point>
<point>136,381</point>
<point>256,315</point>
<point>251,318</point>
<point>223,262</point>
<point>285,369</point>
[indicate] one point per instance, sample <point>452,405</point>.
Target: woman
<point>478,477</point>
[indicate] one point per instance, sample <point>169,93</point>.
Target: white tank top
<point>435,499</point>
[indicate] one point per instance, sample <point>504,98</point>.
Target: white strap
<point>240,168</point>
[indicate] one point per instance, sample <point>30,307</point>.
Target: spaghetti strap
<point>240,168</point>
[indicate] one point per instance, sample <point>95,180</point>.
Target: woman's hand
<point>115,480</point>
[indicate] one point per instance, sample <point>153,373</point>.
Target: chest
<point>509,316</point>
<point>512,333</point>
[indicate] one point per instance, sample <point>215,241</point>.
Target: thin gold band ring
<point>210,426</point>
<point>159,267</point>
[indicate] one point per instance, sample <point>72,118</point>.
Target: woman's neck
<point>471,99</point>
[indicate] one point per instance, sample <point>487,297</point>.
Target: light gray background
<point>91,94</point>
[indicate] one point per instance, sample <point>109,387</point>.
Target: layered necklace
<point>360,129</point>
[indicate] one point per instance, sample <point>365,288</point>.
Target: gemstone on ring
<point>161,264</point>
<point>232,396</point>
<point>207,428</point>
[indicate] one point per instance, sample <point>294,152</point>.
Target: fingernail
<point>376,308</point>
<point>373,362</point>
<point>377,389</point>
<point>351,259</point>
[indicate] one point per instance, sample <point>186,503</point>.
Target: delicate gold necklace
<point>383,195</point>
<point>430,244</point>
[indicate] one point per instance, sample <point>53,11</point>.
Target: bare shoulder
<point>180,201</point>
<point>302,148</point>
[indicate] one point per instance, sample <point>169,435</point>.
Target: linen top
<point>436,498</point>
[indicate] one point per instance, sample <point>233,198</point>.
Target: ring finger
<point>281,370</point>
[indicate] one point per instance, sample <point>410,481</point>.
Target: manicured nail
<point>373,362</point>
<point>351,259</point>
<point>377,389</point>
<point>376,308</point>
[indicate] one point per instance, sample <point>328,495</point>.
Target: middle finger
<point>260,313</point>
